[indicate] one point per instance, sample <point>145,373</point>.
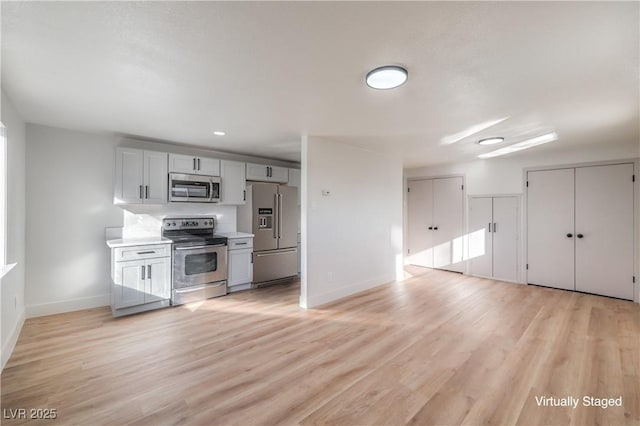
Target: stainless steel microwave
<point>194,188</point>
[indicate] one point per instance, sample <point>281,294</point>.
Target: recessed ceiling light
<point>549,137</point>
<point>387,77</point>
<point>218,133</point>
<point>490,141</point>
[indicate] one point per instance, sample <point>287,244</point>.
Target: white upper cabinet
<point>264,173</point>
<point>294,180</point>
<point>155,177</point>
<point>233,182</point>
<point>190,164</point>
<point>141,177</point>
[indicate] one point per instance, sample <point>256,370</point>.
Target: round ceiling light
<point>490,141</point>
<point>387,77</point>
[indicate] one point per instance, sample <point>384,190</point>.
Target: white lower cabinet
<point>140,283</point>
<point>240,265</point>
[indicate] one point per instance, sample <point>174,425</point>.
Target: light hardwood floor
<point>438,348</point>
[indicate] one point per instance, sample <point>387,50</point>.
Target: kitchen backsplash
<point>146,221</point>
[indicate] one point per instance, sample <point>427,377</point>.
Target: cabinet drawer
<point>141,252</point>
<point>240,243</point>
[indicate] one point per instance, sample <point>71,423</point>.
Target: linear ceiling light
<point>549,137</point>
<point>387,77</point>
<point>219,133</point>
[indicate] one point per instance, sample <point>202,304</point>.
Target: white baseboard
<point>341,292</point>
<point>10,344</point>
<point>68,305</point>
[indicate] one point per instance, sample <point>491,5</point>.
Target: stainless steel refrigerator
<point>271,214</point>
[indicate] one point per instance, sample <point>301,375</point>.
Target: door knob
<point>579,235</point>
<point>569,235</point>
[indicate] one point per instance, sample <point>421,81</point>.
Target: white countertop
<point>233,235</point>
<point>125,242</point>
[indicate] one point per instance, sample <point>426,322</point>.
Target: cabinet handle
<point>569,235</point>
<point>244,195</point>
<point>146,252</point>
<point>431,228</point>
<point>198,164</point>
<point>146,191</point>
<point>494,227</point>
<point>435,228</point>
<point>241,244</point>
<point>142,272</point>
<point>489,226</point>
<point>579,235</point>
<point>194,163</point>
<point>140,192</point>
<point>149,272</point>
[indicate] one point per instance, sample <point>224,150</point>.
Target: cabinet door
<point>128,283</point>
<point>420,218</point>
<point>233,182</point>
<point>182,163</point>
<point>480,239</point>
<point>158,279</point>
<point>257,172</point>
<point>207,166</point>
<point>506,216</point>
<point>279,174</point>
<point>295,180</point>
<point>129,177</point>
<point>550,218</point>
<point>604,218</point>
<point>155,177</point>
<point>448,218</point>
<point>240,267</point>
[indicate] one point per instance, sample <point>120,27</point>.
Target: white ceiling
<point>268,72</point>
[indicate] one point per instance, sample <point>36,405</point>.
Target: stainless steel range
<point>199,259</point>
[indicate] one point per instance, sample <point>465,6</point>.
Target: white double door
<point>436,224</point>
<point>493,237</point>
<point>580,229</point>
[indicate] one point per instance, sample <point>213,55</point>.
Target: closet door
<point>480,241</point>
<point>550,210</point>
<point>448,224</point>
<point>604,219</point>
<point>420,218</point>
<point>505,238</point>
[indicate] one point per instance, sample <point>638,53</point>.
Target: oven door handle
<point>199,247</point>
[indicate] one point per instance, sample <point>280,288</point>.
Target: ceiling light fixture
<point>491,141</point>
<point>218,133</point>
<point>387,77</point>
<point>447,140</point>
<point>529,143</point>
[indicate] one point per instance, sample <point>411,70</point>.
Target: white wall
<point>352,238</point>
<point>69,205</point>
<point>13,284</point>
<point>504,175</point>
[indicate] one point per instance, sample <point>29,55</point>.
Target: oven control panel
<point>188,223</point>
